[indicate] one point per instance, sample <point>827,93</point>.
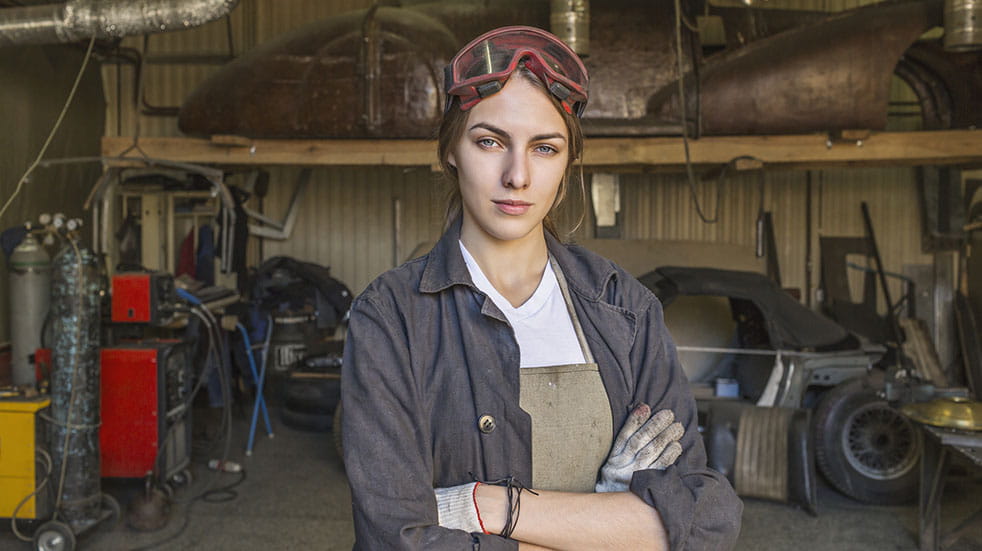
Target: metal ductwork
<point>570,21</point>
<point>77,20</point>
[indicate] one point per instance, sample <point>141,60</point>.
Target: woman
<point>506,360</point>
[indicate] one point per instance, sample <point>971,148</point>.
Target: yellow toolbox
<point>22,466</point>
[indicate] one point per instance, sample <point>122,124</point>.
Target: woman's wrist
<point>492,506</point>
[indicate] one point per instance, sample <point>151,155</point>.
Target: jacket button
<point>486,423</point>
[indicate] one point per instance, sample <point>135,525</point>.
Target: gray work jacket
<point>430,387</point>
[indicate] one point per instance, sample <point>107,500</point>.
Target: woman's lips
<point>512,207</point>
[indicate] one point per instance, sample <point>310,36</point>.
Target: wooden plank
<point>794,151</point>
<point>281,152</point>
<point>657,153</point>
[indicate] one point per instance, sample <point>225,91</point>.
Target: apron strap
<point>561,279</point>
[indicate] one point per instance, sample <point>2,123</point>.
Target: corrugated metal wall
<point>34,84</point>
<point>348,219</point>
<point>662,207</point>
<point>359,222</point>
<point>166,85</point>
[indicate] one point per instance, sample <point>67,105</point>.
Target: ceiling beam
<point>806,151</point>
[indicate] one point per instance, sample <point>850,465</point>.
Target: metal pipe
<point>570,21</point>
<point>962,25</point>
<point>77,20</point>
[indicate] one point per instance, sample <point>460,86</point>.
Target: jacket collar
<point>586,273</point>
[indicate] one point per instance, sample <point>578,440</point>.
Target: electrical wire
<point>47,476</point>
<point>225,493</point>
<point>54,129</point>
<point>136,102</point>
<point>215,353</point>
<point>690,174</point>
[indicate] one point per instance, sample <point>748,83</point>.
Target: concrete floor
<point>295,496</point>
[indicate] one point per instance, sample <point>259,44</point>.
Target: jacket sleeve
<point>698,506</point>
<point>387,440</point>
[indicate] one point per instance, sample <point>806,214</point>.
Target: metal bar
<point>881,273</point>
<point>933,466</point>
<point>757,352</point>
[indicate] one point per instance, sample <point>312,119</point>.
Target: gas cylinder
<point>30,288</point>
<point>76,287</point>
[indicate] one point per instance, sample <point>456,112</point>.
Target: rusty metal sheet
<point>830,75</point>
<point>379,73</point>
<point>329,82</point>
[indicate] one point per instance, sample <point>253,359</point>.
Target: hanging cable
<point>54,129</point>
<point>48,467</point>
<point>690,174</point>
<point>209,493</point>
<point>140,77</point>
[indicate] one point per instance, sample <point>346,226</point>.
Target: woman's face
<point>510,160</point>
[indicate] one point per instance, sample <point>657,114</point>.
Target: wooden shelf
<point>951,147</point>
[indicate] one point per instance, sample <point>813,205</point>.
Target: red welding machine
<point>143,297</point>
<point>146,417</point>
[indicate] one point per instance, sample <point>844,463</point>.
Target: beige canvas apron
<point>571,421</point>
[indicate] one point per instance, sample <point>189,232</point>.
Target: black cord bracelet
<point>513,489</point>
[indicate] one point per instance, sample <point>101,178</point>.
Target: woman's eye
<point>546,149</point>
<point>487,142</point>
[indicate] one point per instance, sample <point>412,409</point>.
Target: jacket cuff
<point>675,503</point>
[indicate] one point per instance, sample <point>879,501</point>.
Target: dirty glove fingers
<point>635,421</point>
<point>648,432</point>
<point>614,479</point>
<point>650,453</point>
<point>668,457</point>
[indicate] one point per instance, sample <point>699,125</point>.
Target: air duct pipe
<point>570,21</point>
<point>962,25</point>
<point>77,20</point>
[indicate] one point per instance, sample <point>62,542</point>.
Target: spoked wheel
<point>54,536</point>
<point>879,442</point>
<point>865,448</point>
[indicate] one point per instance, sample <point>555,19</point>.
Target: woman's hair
<point>452,128</point>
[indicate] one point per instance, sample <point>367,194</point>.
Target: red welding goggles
<point>483,66</point>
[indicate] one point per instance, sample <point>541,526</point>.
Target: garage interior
<point>194,191</point>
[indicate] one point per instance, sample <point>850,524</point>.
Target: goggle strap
<point>489,88</point>
<point>559,90</point>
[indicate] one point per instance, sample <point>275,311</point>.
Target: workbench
<point>939,444</point>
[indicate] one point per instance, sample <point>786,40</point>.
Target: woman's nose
<point>516,174</point>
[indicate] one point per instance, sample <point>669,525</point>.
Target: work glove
<point>457,508</point>
<point>645,442</point>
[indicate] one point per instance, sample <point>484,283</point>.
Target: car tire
<point>866,449</point>
<point>316,422</point>
<point>308,395</point>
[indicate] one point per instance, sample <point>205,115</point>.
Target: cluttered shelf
<point>849,148</point>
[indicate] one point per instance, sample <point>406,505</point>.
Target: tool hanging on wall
<point>280,230</point>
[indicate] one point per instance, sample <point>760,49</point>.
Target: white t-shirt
<point>542,325</point>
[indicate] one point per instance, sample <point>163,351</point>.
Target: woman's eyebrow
<point>503,133</point>
<point>491,127</point>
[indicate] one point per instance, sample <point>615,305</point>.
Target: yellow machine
<point>21,468</point>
